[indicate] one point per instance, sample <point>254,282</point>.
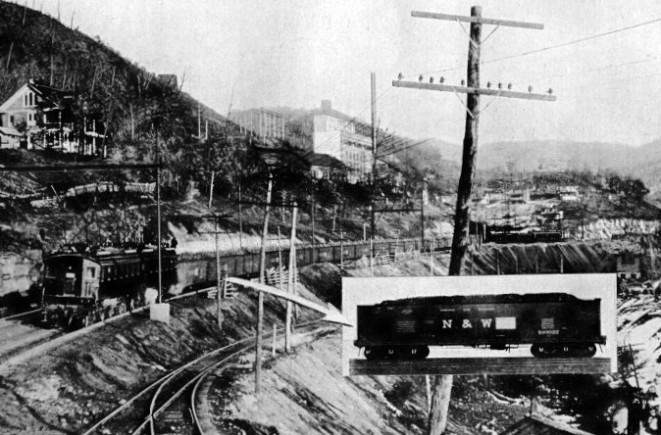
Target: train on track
<point>555,324</point>
<point>82,286</point>
<point>508,234</point>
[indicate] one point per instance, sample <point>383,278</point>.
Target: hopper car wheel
<point>71,321</point>
<point>47,319</point>
<point>374,352</point>
<point>590,349</point>
<point>58,316</point>
<point>391,352</point>
<point>417,352</point>
<point>121,308</point>
<point>539,350</point>
<point>86,320</point>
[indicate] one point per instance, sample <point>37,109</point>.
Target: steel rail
<point>156,383</point>
<point>16,316</point>
<point>164,379</point>
<point>153,412</point>
<point>203,376</point>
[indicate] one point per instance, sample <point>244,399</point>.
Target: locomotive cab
<point>70,278</point>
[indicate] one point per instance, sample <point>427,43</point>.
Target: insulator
<point>550,91</point>
<point>431,79</point>
<point>442,79</point>
<point>400,76</point>
<point>509,86</point>
<point>500,85</point>
<point>420,78</point>
<point>529,88</point>
<point>488,84</point>
<point>463,82</point>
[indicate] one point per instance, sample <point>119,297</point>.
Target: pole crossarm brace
<point>474,91</point>
<point>37,168</point>
<point>480,20</point>
<point>331,313</point>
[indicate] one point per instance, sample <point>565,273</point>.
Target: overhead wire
<point>552,47</point>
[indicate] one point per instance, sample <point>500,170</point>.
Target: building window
<point>31,99</point>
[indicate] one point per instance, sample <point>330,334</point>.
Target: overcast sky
<point>297,52</point>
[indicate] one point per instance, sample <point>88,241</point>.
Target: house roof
<point>48,93</point>
<point>537,425</point>
<point>15,96</point>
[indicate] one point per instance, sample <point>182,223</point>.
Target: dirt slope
<point>305,393</point>
<point>75,385</point>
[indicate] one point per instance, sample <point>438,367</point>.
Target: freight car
<point>555,324</point>
<point>82,285</point>
<point>201,272</point>
<point>536,236</point>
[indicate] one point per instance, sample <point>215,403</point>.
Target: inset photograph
<point>503,324</point>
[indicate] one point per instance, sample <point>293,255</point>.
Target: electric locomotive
<point>83,285</point>
<point>555,324</point>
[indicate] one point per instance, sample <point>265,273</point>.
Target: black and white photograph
<point>330,217</point>
<point>505,324</point>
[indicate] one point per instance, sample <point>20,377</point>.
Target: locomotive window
<point>91,272</point>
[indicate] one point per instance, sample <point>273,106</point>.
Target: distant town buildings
<point>262,123</point>
<point>344,138</point>
<point>628,266</point>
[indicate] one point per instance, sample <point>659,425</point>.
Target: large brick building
<point>344,138</point>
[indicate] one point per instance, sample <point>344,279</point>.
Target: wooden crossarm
<point>466,19</point>
<point>474,91</point>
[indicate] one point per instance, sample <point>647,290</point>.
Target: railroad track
<point>19,343</point>
<point>21,332</point>
<point>166,409</point>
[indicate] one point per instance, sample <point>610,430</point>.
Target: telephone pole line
<point>374,174</point>
<point>442,387</point>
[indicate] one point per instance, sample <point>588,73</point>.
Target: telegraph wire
<point>539,50</point>
<point>576,41</point>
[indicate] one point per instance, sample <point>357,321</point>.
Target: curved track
<point>143,411</point>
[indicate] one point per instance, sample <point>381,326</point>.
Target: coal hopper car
<point>555,324</point>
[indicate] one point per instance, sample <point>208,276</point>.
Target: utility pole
<point>158,218</point>
<point>240,221</point>
<point>290,279</point>
<point>374,174</point>
<point>422,217</point>
<point>442,387</point>
<point>260,296</point>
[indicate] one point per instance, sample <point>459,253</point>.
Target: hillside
<point>123,96</point>
<point>525,157</point>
